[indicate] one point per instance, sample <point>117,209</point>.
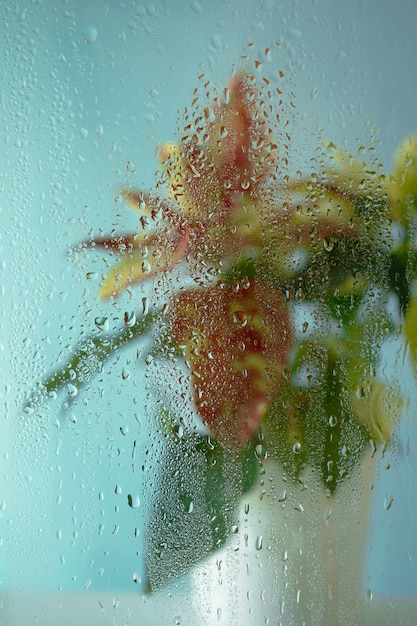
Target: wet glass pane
<point>208,347</point>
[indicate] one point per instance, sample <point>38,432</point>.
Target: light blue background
<point>89,89</point>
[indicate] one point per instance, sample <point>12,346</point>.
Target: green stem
<point>88,357</point>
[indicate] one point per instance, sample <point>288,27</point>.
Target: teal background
<point>89,89</point>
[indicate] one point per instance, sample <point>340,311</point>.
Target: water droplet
<point>88,583</point>
<point>245,282</point>
<point>136,578</point>
<point>360,392</point>
<point>282,496</point>
<point>368,595</point>
<point>216,42</point>
<point>332,421</point>
<point>102,323</point>
<point>178,431</point>
<point>388,502</point>
<point>72,390</point>
<point>297,448</point>
<point>91,275</point>
<point>130,319</point>
<point>83,133</point>
<point>124,430</point>
<point>177,620</point>
<point>223,132</point>
<point>209,114</point>
<point>145,305</point>
<point>261,452</point>
<point>117,490</point>
<point>146,267</point>
<point>240,318</point>
<point>234,529</point>
<point>133,501</point>
<point>90,34</point>
<point>259,542</point>
<point>328,244</point>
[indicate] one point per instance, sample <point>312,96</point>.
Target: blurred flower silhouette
<point>233,331</point>
<point>236,341</point>
<point>296,282</point>
<point>402,182</point>
<point>217,177</point>
<point>291,277</point>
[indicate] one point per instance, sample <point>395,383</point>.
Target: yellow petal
<point>376,406</point>
<point>351,174</point>
<point>176,169</point>
<point>402,182</point>
<point>130,270</point>
<point>151,254</point>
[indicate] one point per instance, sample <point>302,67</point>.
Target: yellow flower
<point>377,407</point>
<point>402,182</point>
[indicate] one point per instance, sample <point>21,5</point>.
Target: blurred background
<point>89,91</point>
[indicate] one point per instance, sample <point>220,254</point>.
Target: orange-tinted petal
<point>226,154</point>
<point>149,255</point>
<point>236,345</point>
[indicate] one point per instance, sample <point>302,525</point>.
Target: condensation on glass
<point>208,313</point>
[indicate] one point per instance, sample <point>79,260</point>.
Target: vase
<point>298,556</point>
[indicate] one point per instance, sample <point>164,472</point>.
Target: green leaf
<point>410,328</point>
<point>314,425</point>
<point>196,505</point>
<point>87,359</point>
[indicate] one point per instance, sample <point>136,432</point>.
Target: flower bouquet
<point>277,291</point>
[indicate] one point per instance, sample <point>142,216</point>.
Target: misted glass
<point>209,312</point>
